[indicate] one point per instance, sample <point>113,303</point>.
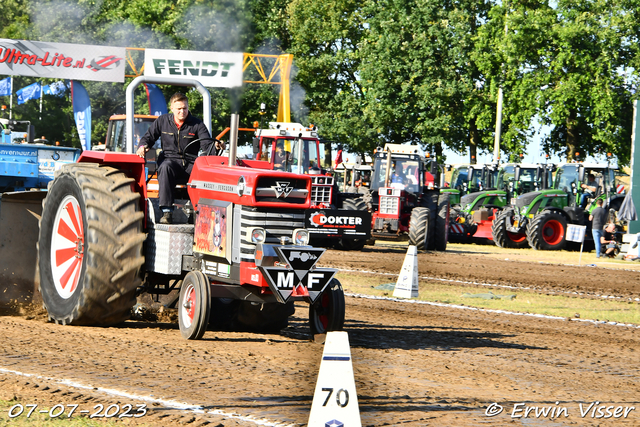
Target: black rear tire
<point>328,312</point>
<point>432,200</point>
<point>90,246</point>
<point>419,228</point>
<point>504,238</point>
<point>441,232</point>
<point>547,231</point>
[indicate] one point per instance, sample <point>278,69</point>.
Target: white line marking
<point>487,310</point>
<point>173,404</point>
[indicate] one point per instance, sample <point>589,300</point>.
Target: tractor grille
<point>389,205</point>
<point>320,194</point>
<point>276,223</point>
<point>321,189</point>
<point>281,190</point>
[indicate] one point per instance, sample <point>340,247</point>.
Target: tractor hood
<point>212,178</point>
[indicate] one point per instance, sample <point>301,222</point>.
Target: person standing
<point>175,130</point>
<point>598,219</point>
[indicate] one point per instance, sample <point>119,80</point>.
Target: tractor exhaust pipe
<point>233,139</point>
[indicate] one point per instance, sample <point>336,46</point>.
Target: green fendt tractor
<point>544,215</point>
<point>530,179</point>
<point>473,217</point>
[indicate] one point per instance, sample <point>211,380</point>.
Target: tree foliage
<point>375,71</point>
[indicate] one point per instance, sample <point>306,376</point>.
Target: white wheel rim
<point>67,247</point>
<point>188,307</point>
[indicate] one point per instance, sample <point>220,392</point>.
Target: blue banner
<point>82,113</point>
<point>157,103</point>
<point>56,88</point>
<point>28,92</point>
<point>5,87</point>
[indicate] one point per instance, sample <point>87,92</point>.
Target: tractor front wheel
<point>326,314</point>
<point>441,233</point>
<point>547,231</point>
<point>419,228</point>
<point>194,306</point>
<point>504,238</point>
<point>90,245</point>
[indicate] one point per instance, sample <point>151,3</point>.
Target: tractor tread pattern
<point>499,231</point>
<point>535,230</point>
<point>419,227</point>
<point>113,245</point>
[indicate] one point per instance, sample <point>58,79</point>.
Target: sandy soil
<point>414,364</point>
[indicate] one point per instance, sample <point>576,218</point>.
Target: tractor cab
<point>289,147</point>
<point>116,139</point>
<point>571,177</point>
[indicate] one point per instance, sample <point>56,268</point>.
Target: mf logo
<point>282,189</point>
<point>300,278</point>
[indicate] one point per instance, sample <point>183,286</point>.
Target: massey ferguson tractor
<point>240,250</point>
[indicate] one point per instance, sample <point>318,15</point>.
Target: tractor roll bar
<point>206,102</point>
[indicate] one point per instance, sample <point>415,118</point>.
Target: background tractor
<point>473,218</point>
<point>404,198</point>
<point>238,254</point>
<point>544,215</point>
<point>334,218</point>
<point>529,179</point>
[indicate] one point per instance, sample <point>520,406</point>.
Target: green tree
<point>420,80</point>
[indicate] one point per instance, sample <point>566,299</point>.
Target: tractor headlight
<point>257,235</point>
<point>524,210</point>
<point>300,237</point>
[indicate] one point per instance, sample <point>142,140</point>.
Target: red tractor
<point>240,253</point>
<point>333,219</point>
<point>404,198</point>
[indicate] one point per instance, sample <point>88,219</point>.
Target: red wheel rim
<point>323,312</point>
<point>517,237</point>
<point>553,232</point>
<point>67,247</point>
<point>188,306</point>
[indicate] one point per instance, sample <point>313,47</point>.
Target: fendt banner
<point>212,69</point>
<point>62,60</point>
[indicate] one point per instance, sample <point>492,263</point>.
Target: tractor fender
<point>562,212</point>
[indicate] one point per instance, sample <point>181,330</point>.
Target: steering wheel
<point>192,157</point>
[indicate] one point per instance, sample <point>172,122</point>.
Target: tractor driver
<point>281,158</point>
<point>175,130</point>
<point>588,190</point>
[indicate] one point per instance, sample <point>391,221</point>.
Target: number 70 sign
<point>335,401</point>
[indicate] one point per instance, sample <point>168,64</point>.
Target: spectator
<point>609,239</point>
<point>588,190</point>
<point>598,219</point>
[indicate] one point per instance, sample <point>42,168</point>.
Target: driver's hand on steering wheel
<point>142,150</point>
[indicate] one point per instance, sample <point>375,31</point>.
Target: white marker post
<point>407,284</point>
<point>335,401</point>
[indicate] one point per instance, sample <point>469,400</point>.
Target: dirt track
<point>414,364</point>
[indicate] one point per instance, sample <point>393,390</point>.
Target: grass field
<point>522,301</point>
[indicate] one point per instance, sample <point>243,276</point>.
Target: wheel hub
<point>67,247</point>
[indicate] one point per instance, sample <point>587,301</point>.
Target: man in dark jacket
<point>599,219</point>
<point>175,130</point>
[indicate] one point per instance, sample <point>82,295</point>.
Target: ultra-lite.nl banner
<point>62,60</point>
